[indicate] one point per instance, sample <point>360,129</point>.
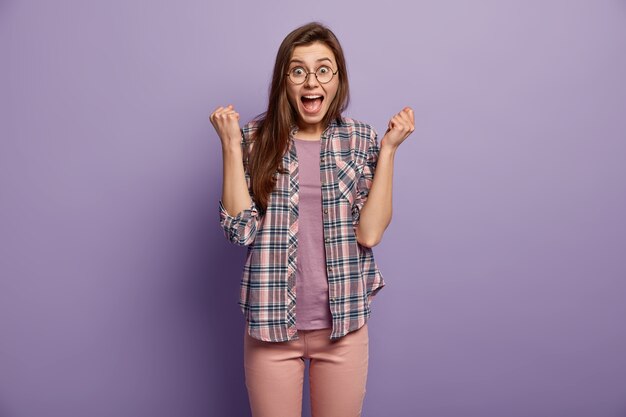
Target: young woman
<point>299,191</point>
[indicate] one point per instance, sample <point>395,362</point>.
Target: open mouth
<point>312,103</point>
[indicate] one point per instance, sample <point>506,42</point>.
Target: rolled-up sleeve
<point>240,229</point>
<point>366,178</point>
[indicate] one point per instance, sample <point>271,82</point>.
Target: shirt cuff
<point>236,227</point>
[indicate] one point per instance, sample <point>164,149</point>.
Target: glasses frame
<point>314,73</point>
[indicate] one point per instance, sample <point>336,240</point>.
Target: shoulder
<point>356,128</point>
<point>248,133</point>
<point>249,129</point>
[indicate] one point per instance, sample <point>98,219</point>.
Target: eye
<point>324,69</point>
<point>297,71</point>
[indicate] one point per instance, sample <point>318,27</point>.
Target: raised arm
<point>375,215</point>
<point>238,213</point>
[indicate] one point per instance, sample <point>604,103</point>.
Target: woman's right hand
<point>225,120</point>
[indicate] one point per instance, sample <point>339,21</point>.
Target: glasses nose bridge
<point>308,79</point>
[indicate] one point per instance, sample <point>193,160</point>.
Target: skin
<point>235,196</point>
<point>311,57</point>
<point>377,211</point>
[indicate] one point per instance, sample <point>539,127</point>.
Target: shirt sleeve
<point>366,178</point>
<point>241,229</point>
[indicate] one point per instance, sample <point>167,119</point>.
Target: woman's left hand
<point>401,126</point>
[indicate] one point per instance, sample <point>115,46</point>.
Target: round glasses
<point>298,75</point>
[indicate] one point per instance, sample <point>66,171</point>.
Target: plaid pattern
<point>348,157</point>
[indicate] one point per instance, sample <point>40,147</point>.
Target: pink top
<point>312,303</point>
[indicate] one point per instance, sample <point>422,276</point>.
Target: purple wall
<point>504,263</point>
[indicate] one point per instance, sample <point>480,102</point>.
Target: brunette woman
<point>308,191</point>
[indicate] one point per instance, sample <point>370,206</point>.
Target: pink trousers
<point>337,374</point>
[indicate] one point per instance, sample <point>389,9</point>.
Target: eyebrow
<point>302,62</point>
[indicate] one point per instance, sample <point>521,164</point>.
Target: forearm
<point>235,195</point>
<point>376,214</point>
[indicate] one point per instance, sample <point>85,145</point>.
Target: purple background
<point>504,263</point>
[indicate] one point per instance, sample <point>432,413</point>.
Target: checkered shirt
<point>348,156</point>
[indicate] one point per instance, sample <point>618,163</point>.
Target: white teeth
<point>312,97</point>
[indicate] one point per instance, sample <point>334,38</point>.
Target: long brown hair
<point>271,138</point>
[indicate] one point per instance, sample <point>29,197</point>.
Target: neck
<point>309,133</point>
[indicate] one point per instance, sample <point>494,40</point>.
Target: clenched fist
<point>400,127</point>
<point>225,120</point>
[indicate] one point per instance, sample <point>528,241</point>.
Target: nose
<point>311,80</point>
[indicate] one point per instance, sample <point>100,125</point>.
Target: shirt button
<point>327,240</point>
<point>325,211</point>
<point>330,269</point>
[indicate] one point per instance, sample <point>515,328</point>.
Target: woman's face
<point>312,99</point>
